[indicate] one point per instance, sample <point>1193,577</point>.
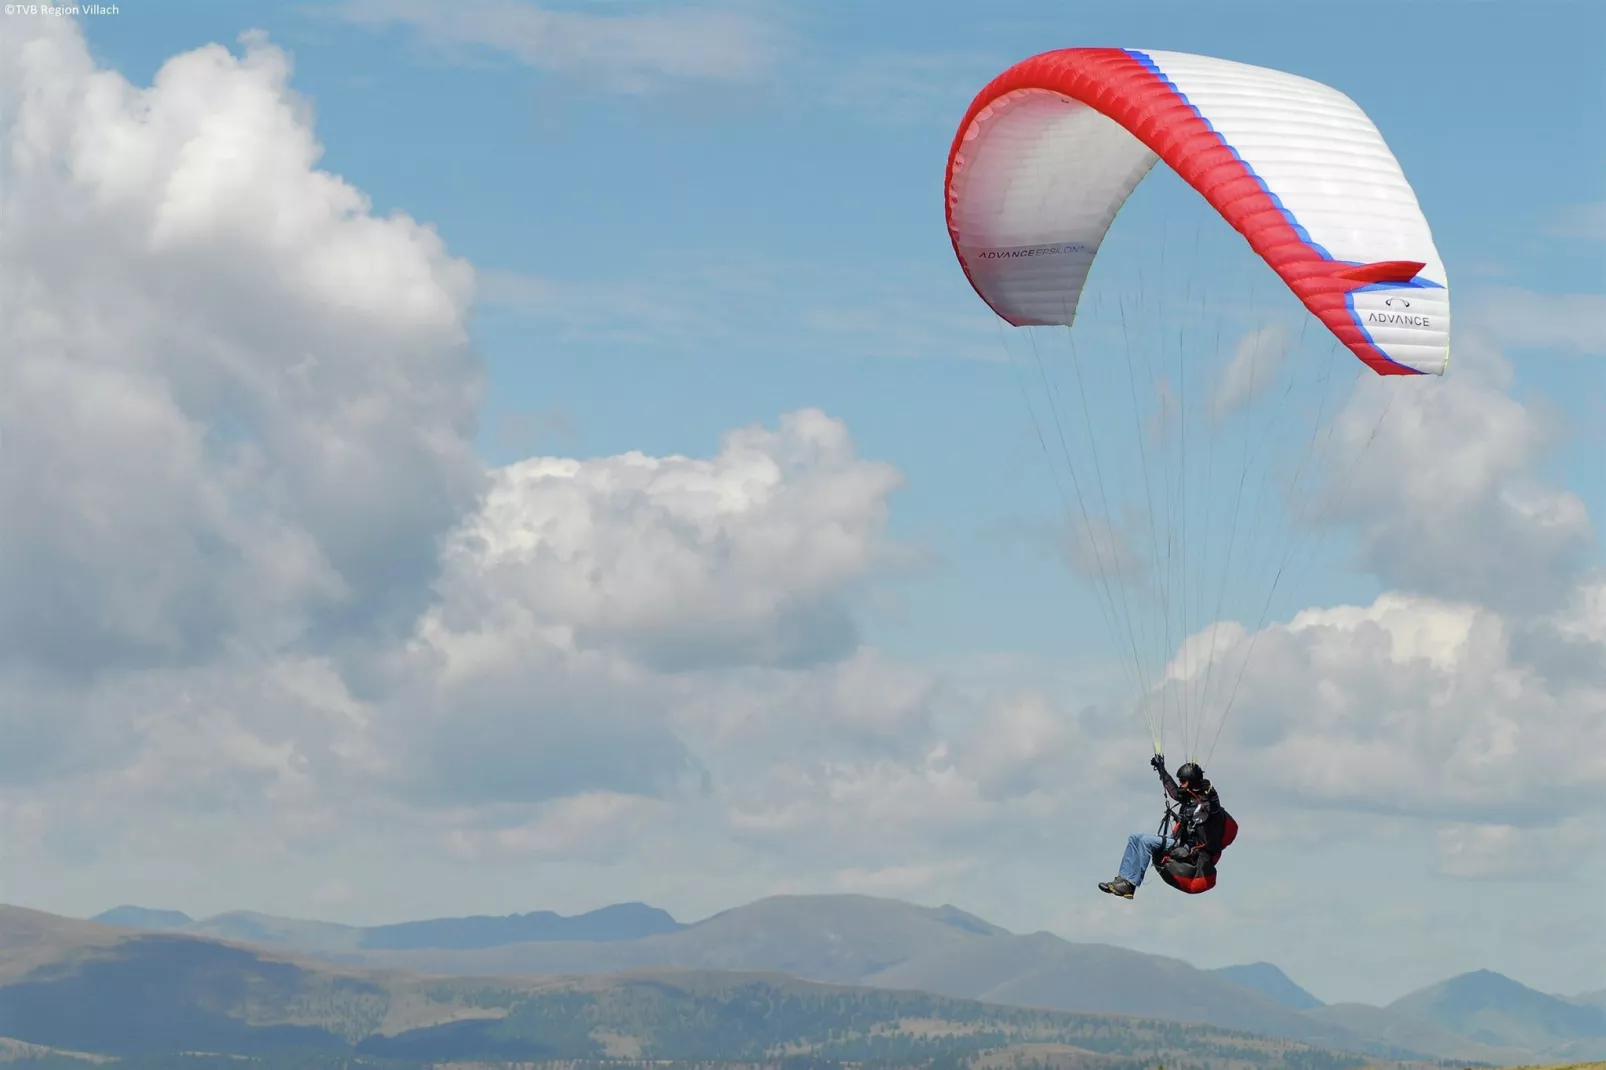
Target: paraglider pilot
<point>1192,842</point>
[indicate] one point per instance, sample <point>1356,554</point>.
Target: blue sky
<point>730,219</point>
<point>684,221</point>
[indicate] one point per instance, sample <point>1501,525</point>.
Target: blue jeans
<point>1140,848</point>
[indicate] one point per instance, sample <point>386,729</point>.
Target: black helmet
<point>1190,774</point>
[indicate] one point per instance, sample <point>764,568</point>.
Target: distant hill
<point>31,940</point>
<point>622,921</point>
<point>1496,1010</point>
<point>111,992</point>
<point>855,939</point>
<point>1043,970</point>
<point>1412,1034</point>
<point>889,944</point>
<point>1270,982</point>
<point>832,938</point>
<point>141,918</point>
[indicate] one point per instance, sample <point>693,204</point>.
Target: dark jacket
<point>1200,815</point>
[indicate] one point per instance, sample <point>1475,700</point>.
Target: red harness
<point>1198,873</point>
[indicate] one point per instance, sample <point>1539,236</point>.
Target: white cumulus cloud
<point>1424,707</point>
<point>1443,491</point>
<point>235,405</point>
<point>680,561</point>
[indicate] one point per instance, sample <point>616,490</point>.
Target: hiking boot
<point>1119,886</point>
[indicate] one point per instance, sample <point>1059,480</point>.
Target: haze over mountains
<point>889,944</point>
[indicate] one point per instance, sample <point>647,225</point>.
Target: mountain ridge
<point>617,921</point>
<point>1494,1009</point>
<point>166,993</point>
<point>1271,982</point>
<point>891,944</point>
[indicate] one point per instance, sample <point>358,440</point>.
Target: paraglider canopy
<point>1052,147</point>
